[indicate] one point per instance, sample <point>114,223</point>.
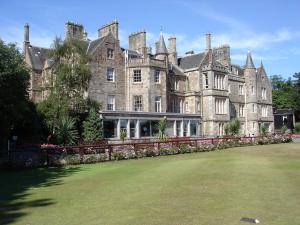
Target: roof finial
<point>161,30</point>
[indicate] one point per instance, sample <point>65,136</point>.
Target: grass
<point>212,188</point>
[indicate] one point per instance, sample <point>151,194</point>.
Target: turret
<point>161,49</point>
<point>249,62</point>
<point>172,50</point>
<point>251,90</point>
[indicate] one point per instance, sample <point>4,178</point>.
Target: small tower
<point>161,49</point>
<point>251,96</point>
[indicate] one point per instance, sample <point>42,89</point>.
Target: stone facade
<point>197,93</point>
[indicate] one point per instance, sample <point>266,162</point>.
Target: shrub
<point>149,152</point>
<point>184,148</point>
<point>264,129</point>
<point>130,154</point>
<point>73,159</point>
<point>118,155</point>
<point>92,126</point>
<point>65,131</point>
<point>284,129</point>
<point>297,128</point>
<point>234,126</point>
<point>161,127</point>
<point>123,134</point>
<point>90,158</point>
<point>227,129</point>
<point>164,151</point>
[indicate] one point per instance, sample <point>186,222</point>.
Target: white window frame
<point>241,110</point>
<point>110,103</point>
<point>241,89</point>
<point>157,76</point>
<point>138,103</point>
<point>220,106</point>
<point>110,76</point>
<point>157,104</point>
<point>137,76</point>
<point>110,53</point>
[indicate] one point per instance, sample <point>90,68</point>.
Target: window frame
<point>138,103</point>
<point>108,105</point>
<point>137,76</point>
<point>112,79</point>
<point>157,79</point>
<point>157,104</point>
<point>110,53</point>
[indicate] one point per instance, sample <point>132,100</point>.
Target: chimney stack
<point>26,32</point>
<point>208,41</point>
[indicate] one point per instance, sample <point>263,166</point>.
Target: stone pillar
<point>137,129</point>
<point>189,129</point>
<point>175,128</point>
<point>181,129</point>
<point>128,129</point>
<point>119,129</point>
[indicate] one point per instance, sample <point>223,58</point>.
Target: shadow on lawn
<point>14,185</point>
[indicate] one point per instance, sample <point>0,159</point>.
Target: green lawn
<point>212,188</point>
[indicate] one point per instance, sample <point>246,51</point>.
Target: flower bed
<point>87,154</point>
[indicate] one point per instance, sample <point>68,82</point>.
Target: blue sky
<point>270,29</point>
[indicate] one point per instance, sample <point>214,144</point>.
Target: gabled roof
<point>38,56</point>
<point>261,70</point>
<point>161,45</point>
<point>94,44</point>
<point>192,61</point>
<point>176,70</point>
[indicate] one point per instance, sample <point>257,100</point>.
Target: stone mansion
<point>197,93</point>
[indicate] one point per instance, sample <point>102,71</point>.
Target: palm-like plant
<point>162,126</point>
<point>65,131</point>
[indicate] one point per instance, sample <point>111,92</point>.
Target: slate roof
<point>249,62</point>
<point>261,70</point>
<point>240,69</point>
<point>192,61</point>
<point>161,45</point>
<point>38,56</point>
<point>94,44</point>
<point>176,70</point>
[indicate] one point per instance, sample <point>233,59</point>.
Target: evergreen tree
<point>92,126</point>
<point>14,99</point>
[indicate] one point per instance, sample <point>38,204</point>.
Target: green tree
<point>296,77</point>
<point>92,126</point>
<point>285,92</point>
<point>14,81</point>
<point>234,126</point>
<point>65,131</point>
<point>72,73</point>
<point>264,129</point>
